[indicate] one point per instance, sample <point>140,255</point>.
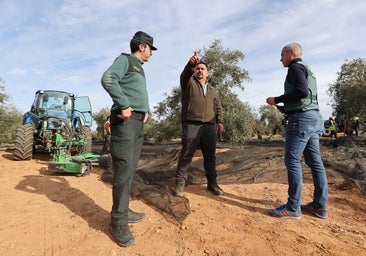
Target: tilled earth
<point>44,213</point>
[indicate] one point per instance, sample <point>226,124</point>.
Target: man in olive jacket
<point>201,120</point>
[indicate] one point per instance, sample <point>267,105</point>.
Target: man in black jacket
<point>305,125</point>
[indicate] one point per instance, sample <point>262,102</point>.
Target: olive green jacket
<point>195,105</point>
<point>125,82</point>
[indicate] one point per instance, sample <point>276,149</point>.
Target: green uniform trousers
<point>126,141</point>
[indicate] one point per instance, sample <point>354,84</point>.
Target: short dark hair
<point>202,62</point>
<point>134,45</point>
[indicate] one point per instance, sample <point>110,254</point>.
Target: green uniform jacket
<point>125,82</point>
<point>195,105</point>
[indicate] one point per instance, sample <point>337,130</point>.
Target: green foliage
<point>3,95</point>
<point>100,117</point>
<point>238,119</point>
<point>10,117</point>
<point>154,131</point>
<point>168,125</point>
<point>349,91</point>
<point>271,119</point>
<point>223,64</point>
<point>225,75</point>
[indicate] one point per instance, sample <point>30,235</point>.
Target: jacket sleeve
<point>111,82</point>
<point>297,76</point>
<point>186,75</point>
<point>219,114</point>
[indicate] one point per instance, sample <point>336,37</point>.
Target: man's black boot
<point>134,217</point>
<point>123,235</point>
<point>215,189</point>
<point>212,185</point>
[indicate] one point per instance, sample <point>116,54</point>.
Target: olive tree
<point>100,117</point>
<point>348,92</point>
<point>271,119</point>
<point>226,75</point>
<point>10,116</point>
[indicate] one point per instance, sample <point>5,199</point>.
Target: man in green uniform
<point>125,82</point>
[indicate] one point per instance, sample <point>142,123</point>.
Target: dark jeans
<point>196,134</point>
<point>125,148</point>
<point>302,138</point>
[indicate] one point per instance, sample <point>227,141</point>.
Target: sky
<point>68,44</point>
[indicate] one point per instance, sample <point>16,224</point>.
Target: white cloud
<point>68,44</point>
<point>17,71</point>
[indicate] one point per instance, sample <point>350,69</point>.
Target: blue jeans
<point>302,138</point>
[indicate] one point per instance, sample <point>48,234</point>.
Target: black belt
<point>137,115</point>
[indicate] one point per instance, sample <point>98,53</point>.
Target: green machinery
<point>65,162</point>
<point>59,123</point>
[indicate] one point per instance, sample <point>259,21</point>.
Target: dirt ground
<point>44,213</point>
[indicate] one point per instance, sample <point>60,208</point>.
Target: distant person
<point>201,120</point>
<point>107,137</point>
<point>125,82</point>
<point>332,127</point>
<point>355,125</point>
<point>305,124</point>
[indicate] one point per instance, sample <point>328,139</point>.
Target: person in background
<point>332,127</point>
<point>355,125</point>
<point>201,120</point>
<point>305,125</point>
<point>107,139</point>
<point>125,82</point>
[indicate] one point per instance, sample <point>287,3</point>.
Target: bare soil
<point>44,213</point>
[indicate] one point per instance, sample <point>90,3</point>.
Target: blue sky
<point>68,44</point>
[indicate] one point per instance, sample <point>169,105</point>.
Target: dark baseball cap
<point>145,38</point>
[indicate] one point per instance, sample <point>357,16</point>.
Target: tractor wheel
<point>24,139</point>
<point>326,133</point>
<point>105,161</point>
<point>88,137</point>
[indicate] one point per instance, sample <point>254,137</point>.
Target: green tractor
<point>58,123</point>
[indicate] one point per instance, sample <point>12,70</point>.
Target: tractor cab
<point>57,119</point>
<point>58,105</point>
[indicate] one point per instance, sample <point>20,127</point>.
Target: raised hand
<point>194,59</point>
